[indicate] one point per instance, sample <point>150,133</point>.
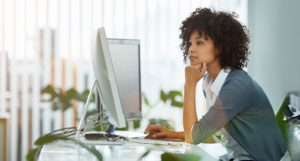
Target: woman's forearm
<point>178,135</point>
<point>189,111</point>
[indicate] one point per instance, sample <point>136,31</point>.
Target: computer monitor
<point>106,78</point>
<point>125,55</point>
<point>105,83</point>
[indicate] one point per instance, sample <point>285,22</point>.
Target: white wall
<point>275,34</point>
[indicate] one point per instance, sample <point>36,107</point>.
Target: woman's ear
<point>218,50</point>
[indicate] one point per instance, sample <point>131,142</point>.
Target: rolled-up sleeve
<point>232,99</point>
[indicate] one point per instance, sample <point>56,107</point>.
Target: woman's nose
<point>191,49</point>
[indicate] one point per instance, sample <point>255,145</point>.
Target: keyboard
<point>96,138</point>
<point>102,136</point>
<point>167,142</point>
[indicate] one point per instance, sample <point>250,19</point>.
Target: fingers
<point>152,128</point>
<point>159,135</point>
<point>197,66</point>
<point>203,68</point>
<point>149,136</point>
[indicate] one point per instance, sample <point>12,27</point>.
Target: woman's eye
<point>199,42</point>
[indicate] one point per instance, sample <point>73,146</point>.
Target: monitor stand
<point>111,129</point>
<point>97,137</point>
<point>100,110</point>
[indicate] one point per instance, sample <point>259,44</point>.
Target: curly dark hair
<point>227,33</point>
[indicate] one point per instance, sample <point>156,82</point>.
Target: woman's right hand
<point>193,73</point>
<point>159,132</point>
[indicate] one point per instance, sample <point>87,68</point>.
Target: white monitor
<point>125,54</point>
<point>105,77</point>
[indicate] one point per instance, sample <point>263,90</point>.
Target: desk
<point>128,151</point>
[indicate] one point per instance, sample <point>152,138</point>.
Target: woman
<point>240,115</point>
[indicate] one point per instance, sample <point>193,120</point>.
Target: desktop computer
<point>125,56</point>
<point>116,65</point>
<point>105,83</point>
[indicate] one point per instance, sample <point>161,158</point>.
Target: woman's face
<point>202,49</point>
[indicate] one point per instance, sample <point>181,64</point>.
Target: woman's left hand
<point>193,73</point>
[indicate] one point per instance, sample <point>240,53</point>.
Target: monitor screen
<point>125,54</point>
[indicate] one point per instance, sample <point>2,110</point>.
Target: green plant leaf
<point>136,124</point>
<point>174,93</point>
<point>104,126</point>
<point>284,111</point>
<point>33,154</point>
<point>55,106</point>
<point>49,90</point>
<point>162,122</point>
<point>66,106</point>
<point>180,157</point>
<point>46,139</point>
<point>146,101</point>
<point>176,104</point>
<point>144,155</point>
<point>163,96</point>
<point>63,98</point>
<point>124,128</point>
<point>84,95</point>
<point>91,149</point>
<point>64,102</point>
<point>72,94</point>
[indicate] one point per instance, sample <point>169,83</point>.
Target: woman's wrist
<point>177,135</point>
<point>188,85</point>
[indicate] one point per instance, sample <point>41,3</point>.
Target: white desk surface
<point>128,151</point>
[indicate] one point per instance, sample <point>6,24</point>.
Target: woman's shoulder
<point>238,79</point>
<point>239,75</point>
<point>238,86</point>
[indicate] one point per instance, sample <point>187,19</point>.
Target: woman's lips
<point>192,58</point>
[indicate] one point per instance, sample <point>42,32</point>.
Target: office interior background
<point>47,42</point>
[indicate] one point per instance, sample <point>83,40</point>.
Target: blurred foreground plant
<point>167,156</point>
<point>180,157</point>
<point>49,138</point>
